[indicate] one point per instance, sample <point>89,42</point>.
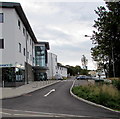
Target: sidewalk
<point>18,91</point>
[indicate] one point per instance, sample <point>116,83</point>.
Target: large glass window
<point>40,76</point>
<point>40,56</point>
<point>1,17</point>
<point>1,43</point>
<point>20,75</point>
<point>8,74</point>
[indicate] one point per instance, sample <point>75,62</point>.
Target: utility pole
<point>113,63</point>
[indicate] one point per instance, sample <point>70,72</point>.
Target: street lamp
<point>112,57</point>
<point>87,36</point>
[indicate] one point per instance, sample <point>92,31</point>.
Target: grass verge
<point>106,95</point>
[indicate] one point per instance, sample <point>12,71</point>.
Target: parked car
<point>58,77</point>
<point>97,79</point>
<point>81,77</point>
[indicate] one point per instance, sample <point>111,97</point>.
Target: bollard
<point>3,84</point>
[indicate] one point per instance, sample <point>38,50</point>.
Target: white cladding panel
<point>62,71</point>
<point>52,65</point>
<point>8,34</point>
<point>19,38</point>
<point>1,25</point>
<point>13,35</point>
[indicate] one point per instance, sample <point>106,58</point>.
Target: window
<point>1,43</point>
<point>40,56</point>
<point>24,51</point>
<point>19,47</point>
<point>28,55</point>
<point>30,41</point>
<point>31,57</point>
<point>19,24</point>
<point>24,31</point>
<point>1,17</point>
<point>56,59</point>
<point>27,36</point>
<point>32,44</point>
<point>33,60</point>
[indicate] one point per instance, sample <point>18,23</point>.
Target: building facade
<point>55,69</point>
<point>22,58</point>
<point>41,61</point>
<point>62,70</point>
<point>52,65</point>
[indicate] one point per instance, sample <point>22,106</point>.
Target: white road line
<point>5,113</point>
<point>29,115</point>
<point>53,90</point>
<point>41,114</point>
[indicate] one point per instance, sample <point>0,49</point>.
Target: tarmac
<point>24,89</point>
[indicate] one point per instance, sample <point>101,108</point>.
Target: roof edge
<point>17,6</point>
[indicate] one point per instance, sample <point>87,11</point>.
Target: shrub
<point>116,83</point>
<point>106,95</point>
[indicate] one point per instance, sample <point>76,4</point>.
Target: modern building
<point>22,58</point>
<point>55,69</point>
<point>62,70</point>
<point>52,65</point>
<point>41,61</point>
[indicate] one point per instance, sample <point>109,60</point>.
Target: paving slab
<point>24,89</point>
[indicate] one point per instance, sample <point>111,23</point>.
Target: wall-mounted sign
<point>6,65</point>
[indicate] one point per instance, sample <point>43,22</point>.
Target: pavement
<point>24,89</point>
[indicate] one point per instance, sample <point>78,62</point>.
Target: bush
<point>106,95</point>
<point>116,83</point>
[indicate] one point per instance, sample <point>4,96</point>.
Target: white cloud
<point>63,23</point>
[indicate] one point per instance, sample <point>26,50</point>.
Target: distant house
<point>55,69</point>
<point>62,70</point>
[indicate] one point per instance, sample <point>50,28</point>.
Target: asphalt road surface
<point>54,101</point>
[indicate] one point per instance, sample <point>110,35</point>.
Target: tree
<point>107,38</point>
<point>74,70</point>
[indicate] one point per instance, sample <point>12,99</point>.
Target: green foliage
<point>116,83</point>
<point>107,38</point>
<point>105,95</point>
<point>84,72</point>
<point>76,70</point>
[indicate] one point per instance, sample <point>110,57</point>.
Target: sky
<point>64,24</point>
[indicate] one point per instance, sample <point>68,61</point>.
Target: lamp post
<point>87,36</point>
<point>113,63</point>
<point>112,58</point>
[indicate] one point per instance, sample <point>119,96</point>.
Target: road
<point>54,101</point>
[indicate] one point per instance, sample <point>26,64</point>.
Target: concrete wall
<point>29,74</point>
